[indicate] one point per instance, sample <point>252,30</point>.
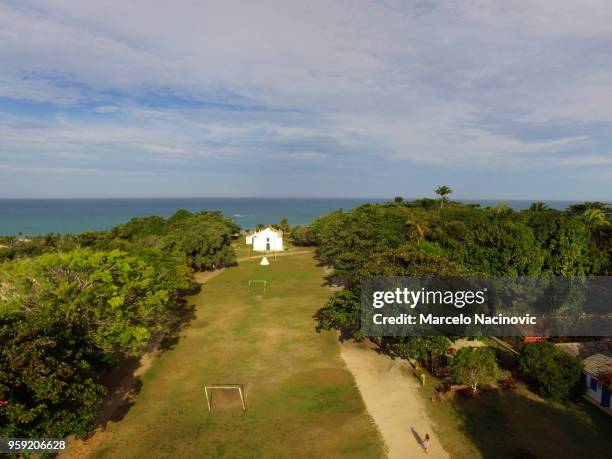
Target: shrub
<point>556,373</point>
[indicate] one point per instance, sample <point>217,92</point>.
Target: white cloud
<point>586,160</point>
<point>106,109</point>
<point>418,81</point>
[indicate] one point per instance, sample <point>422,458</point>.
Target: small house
<point>597,369</point>
<point>597,359</point>
<point>268,239</point>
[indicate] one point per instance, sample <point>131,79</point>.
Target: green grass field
<point>301,401</point>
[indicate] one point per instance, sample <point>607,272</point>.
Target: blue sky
<point>499,100</point>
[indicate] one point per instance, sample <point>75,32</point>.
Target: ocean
<point>43,216</point>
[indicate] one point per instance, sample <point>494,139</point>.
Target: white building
<point>597,358</point>
<point>596,366</point>
<point>268,239</point>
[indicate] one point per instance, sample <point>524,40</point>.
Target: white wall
<point>594,394</point>
<point>267,239</point>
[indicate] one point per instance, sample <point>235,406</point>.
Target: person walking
<point>426,443</point>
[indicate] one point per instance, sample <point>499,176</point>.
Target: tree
<point>342,312</point>
<point>117,300</point>
<point>47,377</point>
<point>488,244</point>
<point>556,373</point>
<point>567,245</point>
<point>442,191</point>
<point>595,218</point>
<point>579,209</point>
<point>538,206</point>
<point>62,318</point>
<point>144,226</point>
<point>70,304</point>
<point>284,226</point>
<point>201,240</point>
<point>474,367</point>
<point>426,349</point>
<point>425,259</point>
<point>178,216</point>
<point>302,235</point>
<point>417,225</point>
<point>500,210</point>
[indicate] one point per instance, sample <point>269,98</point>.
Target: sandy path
<point>390,392</point>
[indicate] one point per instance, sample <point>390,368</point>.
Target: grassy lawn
<point>518,424</point>
<point>301,401</point>
<point>241,248</point>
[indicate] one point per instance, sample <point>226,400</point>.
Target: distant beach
<point>43,216</point>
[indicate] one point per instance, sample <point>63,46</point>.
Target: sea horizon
<point>39,216</point>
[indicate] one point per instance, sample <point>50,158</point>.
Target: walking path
<point>271,255</point>
<point>390,391</point>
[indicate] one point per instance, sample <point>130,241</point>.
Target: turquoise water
<point>42,216</point>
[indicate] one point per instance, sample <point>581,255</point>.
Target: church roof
<point>269,228</point>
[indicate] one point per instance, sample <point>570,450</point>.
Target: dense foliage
<point>203,239</point>
<point>199,240</point>
<point>443,238</point>
<point>426,349</point>
<point>48,378</point>
<point>556,373</point>
<point>423,238</point>
<point>117,299</point>
<point>70,305</point>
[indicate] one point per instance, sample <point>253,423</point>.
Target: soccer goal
<point>210,387</point>
<point>258,282</point>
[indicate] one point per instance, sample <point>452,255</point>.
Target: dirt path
<point>390,392</point>
<point>271,256</point>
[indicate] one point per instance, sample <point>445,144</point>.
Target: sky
<point>148,98</point>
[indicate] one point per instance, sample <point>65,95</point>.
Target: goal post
<point>210,387</point>
<point>262,282</point>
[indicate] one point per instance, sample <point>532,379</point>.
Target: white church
<point>268,239</point>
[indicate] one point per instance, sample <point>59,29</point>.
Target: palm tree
<point>442,191</point>
<point>538,206</point>
<point>417,227</point>
<point>595,218</point>
<point>501,209</point>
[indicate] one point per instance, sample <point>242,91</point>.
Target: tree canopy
<point>417,238</point>
<point>70,305</point>
<point>474,367</point>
